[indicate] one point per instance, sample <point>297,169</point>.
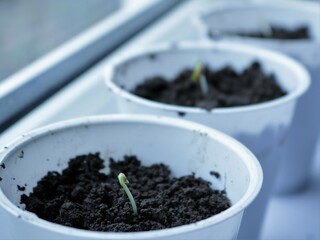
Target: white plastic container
<point>232,16</point>
<point>185,146</point>
<point>261,127</point>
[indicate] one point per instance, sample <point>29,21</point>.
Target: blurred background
<point>29,29</point>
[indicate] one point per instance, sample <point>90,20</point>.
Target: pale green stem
<point>265,27</point>
<point>123,181</point>
<point>196,74</point>
<point>203,85</point>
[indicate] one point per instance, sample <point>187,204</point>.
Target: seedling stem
<point>203,85</point>
<point>197,72</point>
<point>198,77</point>
<point>123,182</point>
<point>265,27</point>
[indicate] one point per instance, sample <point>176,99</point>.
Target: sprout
<point>198,76</point>
<point>197,72</point>
<point>265,27</point>
<point>123,181</point>
<point>203,85</point>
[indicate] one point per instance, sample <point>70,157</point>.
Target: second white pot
<point>261,127</point>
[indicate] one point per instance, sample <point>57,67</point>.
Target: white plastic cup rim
<point>253,166</point>
<point>302,75</point>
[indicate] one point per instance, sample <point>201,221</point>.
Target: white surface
<point>289,217</point>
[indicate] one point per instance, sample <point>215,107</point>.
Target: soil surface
<point>84,197</point>
<point>279,33</point>
<point>226,88</point>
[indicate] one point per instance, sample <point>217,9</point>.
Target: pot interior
<point>248,19</point>
<point>170,62</point>
<point>184,150</point>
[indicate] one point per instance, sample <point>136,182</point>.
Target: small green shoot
<point>203,85</point>
<point>197,72</point>
<point>198,77</point>
<point>265,27</point>
<point>123,182</point>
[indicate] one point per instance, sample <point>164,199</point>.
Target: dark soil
<point>83,197</point>
<point>227,88</point>
<point>279,33</point>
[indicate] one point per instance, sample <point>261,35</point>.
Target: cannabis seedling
<point>123,182</point>
<point>198,76</point>
<point>265,27</point>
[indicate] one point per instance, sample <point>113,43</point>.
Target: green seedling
<point>123,182</point>
<point>198,77</point>
<point>197,72</point>
<point>265,27</point>
<point>203,85</point>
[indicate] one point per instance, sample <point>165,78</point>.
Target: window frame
<point>26,89</point>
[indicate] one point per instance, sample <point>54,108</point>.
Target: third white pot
<point>232,16</point>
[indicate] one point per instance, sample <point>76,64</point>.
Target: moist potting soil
<point>84,197</point>
<point>226,88</point>
<point>278,32</point>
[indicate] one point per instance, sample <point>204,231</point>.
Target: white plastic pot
<point>232,16</point>
<point>261,127</point>
<point>185,146</point>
